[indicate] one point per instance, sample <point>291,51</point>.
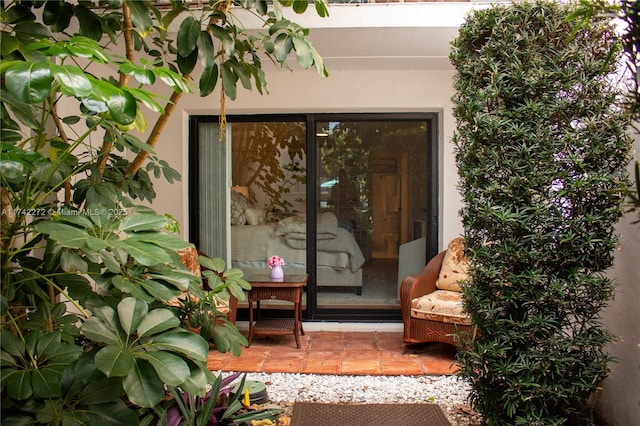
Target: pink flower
<point>275,261</point>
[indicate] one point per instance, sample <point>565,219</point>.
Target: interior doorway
<point>389,196</point>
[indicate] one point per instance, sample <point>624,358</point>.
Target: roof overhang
<point>386,36</point>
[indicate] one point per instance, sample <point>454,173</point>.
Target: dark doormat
<point>312,414</point>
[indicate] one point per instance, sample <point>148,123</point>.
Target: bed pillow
<point>239,206</point>
<point>454,267</point>
<point>256,216</point>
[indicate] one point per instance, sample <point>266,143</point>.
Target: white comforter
<point>336,246</point>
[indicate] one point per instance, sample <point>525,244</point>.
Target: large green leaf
<point>103,194</point>
<point>180,279</point>
<point>33,30</point>
<point>208,80</point>
<point>303,52</point>
<point>109,316</point>
<point>171,369</point>
<point>99,331</point>
<point>96,244</point>
<point>8,45</point>
<point>228,44</point>
<point>205,49</point>
<point>215,264</point>
<point>110,261</point>
<point>187,64</point>
<point>198,380</point>
<point>140,16</point>
<point>73,81</point>
<point>87,48</point>
<point>73,262</point>
<point>114,413</point>
<point>144,253</point>
<point>184,342</point>
<point>126,285</point>
<point>6,360</point>
<point>101,391</point>
<point>143,222</point>
<point>229,80</point>
<point>18,384</point>
<point>57,15</point>
<point>229,338</point>
<point>46,382</point>
<point>143,386</point>
<point>147,99</point>
<point>122,107</point>
<point>29,82</point>
<point>89,23</point>
<point>23,112</point>
<point>241,72</point>
<point>131,312</point>
<point>299,6</point>
<point>162,239</point>
<point>56,353</point>
<point>157,321</point>
<point>114,361</point>
<point>321,8</point>
<point>67,235</point>
<point>158,290</point>
<point>188,34</point>
<point>171,79</point>
<point>282,46</point>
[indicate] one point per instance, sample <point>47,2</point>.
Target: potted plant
<point>206,312</point>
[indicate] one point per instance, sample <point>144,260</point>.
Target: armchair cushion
<point>454,267</point>
<point>442,306</point>
<point>189,257</point>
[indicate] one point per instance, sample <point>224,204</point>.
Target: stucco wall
<point>619,401</point>
<point>305,92</point>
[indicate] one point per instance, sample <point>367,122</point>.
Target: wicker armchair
<point>424,321</point>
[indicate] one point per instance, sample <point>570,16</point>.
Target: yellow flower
<point>246,400</point>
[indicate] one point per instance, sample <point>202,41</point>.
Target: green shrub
<point>541,150</point>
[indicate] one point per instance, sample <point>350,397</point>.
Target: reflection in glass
<point>370,186</point>
<point>371,177</point>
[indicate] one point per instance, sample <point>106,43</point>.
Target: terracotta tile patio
<point>339,352</point>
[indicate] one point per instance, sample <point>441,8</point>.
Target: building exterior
<point>388,63</point>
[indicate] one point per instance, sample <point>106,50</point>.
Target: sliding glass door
<point>372,177</point>
<point>348,199</point>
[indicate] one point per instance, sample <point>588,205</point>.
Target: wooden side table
<point>290,290</point>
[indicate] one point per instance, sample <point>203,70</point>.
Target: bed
<point>339,257</point>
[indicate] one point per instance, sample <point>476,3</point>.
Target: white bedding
<point>259,242</point>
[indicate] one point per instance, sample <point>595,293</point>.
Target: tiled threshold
<point>339,352</point>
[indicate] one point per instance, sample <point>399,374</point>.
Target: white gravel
<point>449,392</point>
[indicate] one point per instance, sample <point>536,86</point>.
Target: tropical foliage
<point>87,337</point>
<point>220,406</point>
<point>627,12</point>
<point>542,151</point>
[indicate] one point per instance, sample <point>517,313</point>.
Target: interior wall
<point>305,92</point>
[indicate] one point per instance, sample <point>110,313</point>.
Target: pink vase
<point>277,274</point>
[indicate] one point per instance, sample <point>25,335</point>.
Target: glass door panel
<point>268,195</point>
<point>372,177</point>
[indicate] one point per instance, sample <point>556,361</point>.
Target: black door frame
<point>431,186</point>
